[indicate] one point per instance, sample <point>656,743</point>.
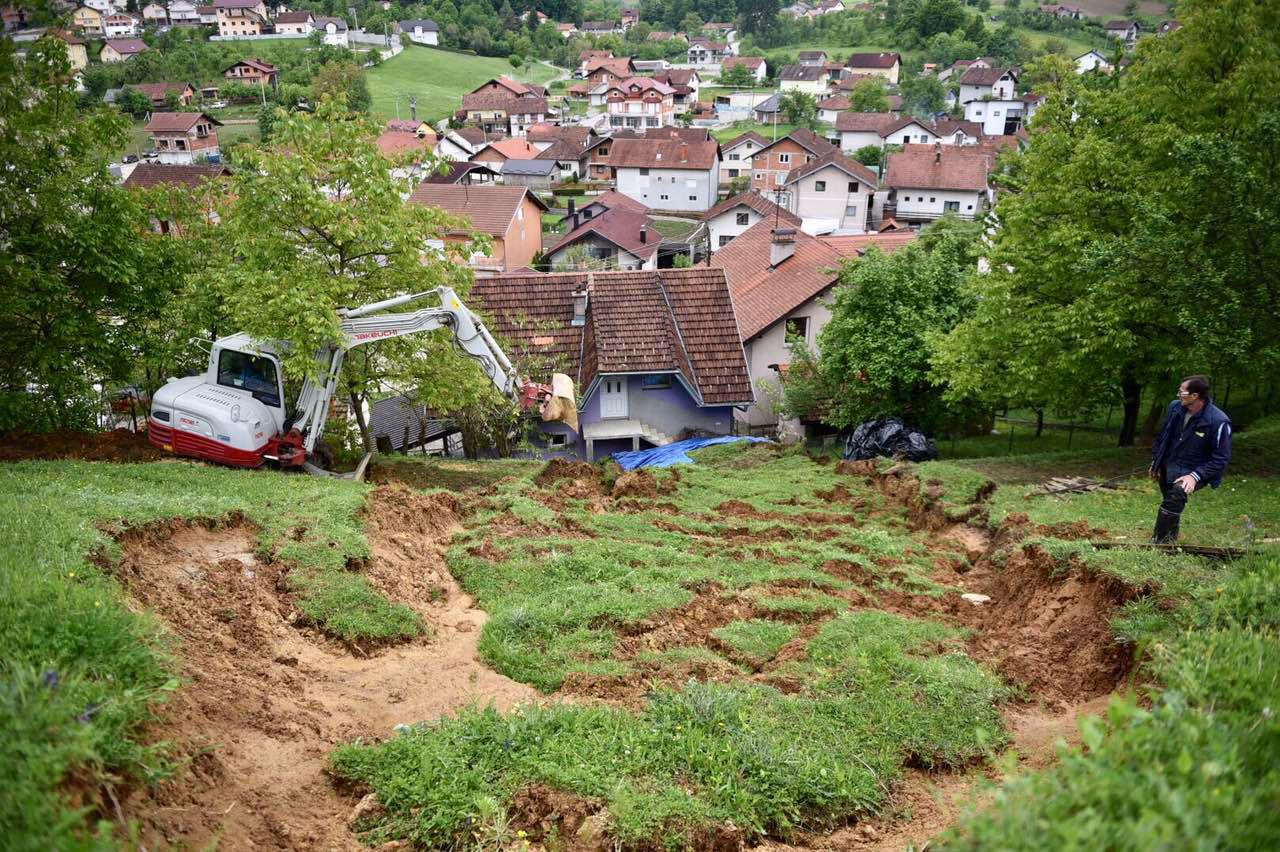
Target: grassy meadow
<point>439,79</point>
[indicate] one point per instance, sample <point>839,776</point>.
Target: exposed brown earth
<point>267,700</point>
<point>119,445</point>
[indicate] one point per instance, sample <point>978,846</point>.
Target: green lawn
<point>675,229</point>
<point>228,135</point>
<point>439,79</point>
<point>740,127</point>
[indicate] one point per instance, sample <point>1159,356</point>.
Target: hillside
<point>439,78</point>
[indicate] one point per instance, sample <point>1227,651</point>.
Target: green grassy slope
<point>439,79</point>
<point>80,669</point>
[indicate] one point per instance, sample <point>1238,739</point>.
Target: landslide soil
<point>267,698</point>
<point>119,445</point>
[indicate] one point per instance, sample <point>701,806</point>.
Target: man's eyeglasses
<point>1186,393</point>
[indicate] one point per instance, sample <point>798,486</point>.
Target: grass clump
<point>82,671</point>
<point>758,639</point>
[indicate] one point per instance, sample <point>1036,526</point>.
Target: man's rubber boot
<point>1166,531</point>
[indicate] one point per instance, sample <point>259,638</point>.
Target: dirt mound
<point>119,445</point>
<point>265,701</point>
<point>866,467</point>
<point>1045,628</point>
<point>545,813</point>
<point>579,471</point>
<point>636,483</point>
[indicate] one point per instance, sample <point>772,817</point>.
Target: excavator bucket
<point>562,405</point>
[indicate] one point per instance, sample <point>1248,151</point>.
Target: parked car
<point>217,105</point>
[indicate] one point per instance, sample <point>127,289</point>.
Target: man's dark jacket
<point>1201,449</point>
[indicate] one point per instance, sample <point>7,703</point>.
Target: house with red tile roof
<point>736,155</point>
<point>654,353</point>
<point>781,279</point>
<point>120,49</point>
<point>639,103</point>
<point>772,163</point>
<point>503,105</point>
<point>736,214</point>
<point>925,182</point>
<point>510,215</point>
<point>496,153</point>
<point>755,64</point>
<point>252,72</point>
<point>667,173</point>
<point>886,65</point>
<point>618,238</point>
<point>183,138</point>
<point>860,129</point>
<point>195,179</point>
<point>241,17</point>
<point>831,193</point>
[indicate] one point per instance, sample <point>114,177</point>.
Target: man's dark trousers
<point>1175,500</point>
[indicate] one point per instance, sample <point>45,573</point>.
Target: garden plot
<point>761,645</point>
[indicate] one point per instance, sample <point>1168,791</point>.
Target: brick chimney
<point>580,304</point>
<point>937,153</point>
<point>644,235</point>
<point>572,216</point>
<point>782,246</point>
<point>684,152</point>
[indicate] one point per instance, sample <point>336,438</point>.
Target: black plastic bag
<point>889,438</point>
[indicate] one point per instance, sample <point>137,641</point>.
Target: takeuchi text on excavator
<point>235,412</point>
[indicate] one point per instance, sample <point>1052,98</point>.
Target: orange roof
<point>393,142</point>
<point>855,245</point>
<point>513,149</point>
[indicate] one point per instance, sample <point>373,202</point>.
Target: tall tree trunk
<point>1153,419</point>
<point>1039,421</point>
<point>1132,392</point>
<point>357,408</point>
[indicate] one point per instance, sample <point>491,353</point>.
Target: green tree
<point>869,96</point>
<point>869,155</point>
<point>70,255</point>
<point>874,354</point>
<point>759,17</point>
<point>923,96</point>
<point>1137,239</point>
<point>314,222</point>
<point>799,108</point>
<point>1130,8</point>
<point>133,102</point>
<point>737,75</point>
<point>344,80</point>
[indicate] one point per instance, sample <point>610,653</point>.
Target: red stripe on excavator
<point>198,446</point>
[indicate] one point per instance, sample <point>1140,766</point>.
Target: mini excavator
<point>234,413</point>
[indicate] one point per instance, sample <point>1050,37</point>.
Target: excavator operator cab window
<point>254,373</point>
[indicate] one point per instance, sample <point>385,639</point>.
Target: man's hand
<point>1153,473</point>
<point>1186,483</point>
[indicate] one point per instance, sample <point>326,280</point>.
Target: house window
<point>970,207</point>
<point>744,218</point>
<point>734,157</point>
<point>724,241</point>
<point>554,440</point>
<point>644,171</point>
<point>933,199</point>
<point>819,186</point>
<point>784,159</point>
<point>797,330</point>
<point>733,173</point>
<point>655,382</point>
<point>851,210</point>
<point>853,187</point>
<point>951,206</point>
<point>693,198</point>
<point>759,175</point>
<point>662,197</point>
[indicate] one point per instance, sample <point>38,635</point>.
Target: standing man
<point>1192,450</point>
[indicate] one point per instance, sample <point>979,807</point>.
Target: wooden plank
<point>1189,549</point>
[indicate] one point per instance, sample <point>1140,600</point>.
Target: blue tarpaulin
<point>677,453</point>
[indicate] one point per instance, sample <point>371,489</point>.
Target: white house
<point>862,129</point>
<point>705,52</point>
<point>1126,31</point>
<point>421,31</point>
<point>184,13</point>
<point>639,104</point>
<point>979,83</point>
<point>294,23</point>
<point>154,13</point>
<point>461,144</point>
<point>1092,61</point>
<point>106,7</point>
<point>736,156</point>
<point>997,117</point>
<point>755,64</point>
<point>803,78</point>
<point>924,183</point>
<point>122,25</point>
<point>618,238</point>
<point>832,193</point>
<point>333,30</point>
<point>734,215</point>
<point>667,174</point>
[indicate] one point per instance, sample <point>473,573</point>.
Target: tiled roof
<point>512,149</point>
<point>127,46</point>
<point>618,67</point>
<point>339,24</point>
<point>180,122</point>
<point>158,91</point>
<point>856,245</point>
<point>392,142</point>
<point>801,73</point>
<point>957,167</point>
<point>504,101</point>
<point>749,136</point>
<point>545,132</point>
<point>948,127</point>
<point>850,167</point>
<point>848,84</point>
<point>756,202</point>
<point>257,64</point>
<point>808,140</point>
<point>764,294</point>
<point>752,62</point>
<point>872,60</point>
<point>611,198</point>
<point>235,4</point>
<point>293,17</point>
<point>157,174</point>
<point>490,208</point>
<point>835,102</point>
<point>425,24</point>
<point>620,226</point>
<point>662,154</point>
<point>476,135</point>
<point>677,76</point>
<point>529,168</point>
<point>587,55</point>
<point>866,122</point>
<point>670,320</point>
<point>982,76</point>
<point>458,169</point>
<point>564,150</point>
<point>813,54</point>
<point>409,126</point>
<point>640,85</point>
